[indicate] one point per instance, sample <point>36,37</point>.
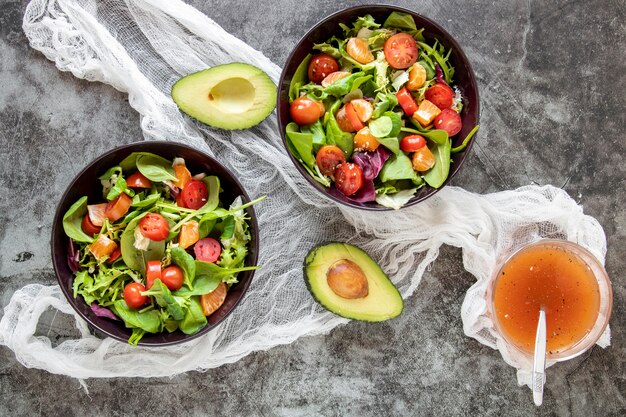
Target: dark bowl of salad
<point>378,107</point>
<point>154,243</point>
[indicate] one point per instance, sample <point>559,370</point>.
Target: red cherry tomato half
<point>172,277</point>
<point>411,143</point>
<point>207,250</point>
<point>343,122</point>
<point>153,272</point>
<point>328,157</point>
<point>154,227</point>
<point>348,178</point>
<point>440,95</point>
<point>117,208</point>
<point>448,120</point>
<point>406,101</point>
<point>180,202</point>
<point>138,180</point>
<point>353,117</point>
<point>305,111</point>
<point>400,51</point>
<point>195,194</point>
<point>320,66</point>
<point>132,295</point>
<point>88,227</point>
<point>115,255</point>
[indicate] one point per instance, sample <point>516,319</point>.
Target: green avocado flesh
<point>230,96</point>
<point>383,300</point>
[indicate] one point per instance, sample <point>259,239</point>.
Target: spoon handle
<point>539,365</point>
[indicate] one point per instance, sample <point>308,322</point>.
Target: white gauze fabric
<point>141,47</point>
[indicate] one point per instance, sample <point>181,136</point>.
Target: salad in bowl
<point>374,114</point>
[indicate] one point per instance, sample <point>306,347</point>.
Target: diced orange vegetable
<point>423,159</point>
<point>417,77</point>
<point>212,301</point>
<point>334,77</point>
<point>426,113</point>
<point>359,49</point>
<point>103,246</point>
<point>97,213</point>
<point>183,176</point>
<point>365,141</point>
<point>189,234</point>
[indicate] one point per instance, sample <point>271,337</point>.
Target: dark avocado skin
<point>312,255</point>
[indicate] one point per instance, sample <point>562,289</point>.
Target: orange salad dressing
<point>559,281</point>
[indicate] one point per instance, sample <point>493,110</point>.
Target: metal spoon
<point>539,359</point>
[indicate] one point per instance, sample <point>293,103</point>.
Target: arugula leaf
<point>203,284</point>
<point>141,201</point>
<point>299,78</point>
<point>186,262</point>
<point>463,145</point>
<point>155,168</point>
<point>194,319</point>
<point>72,220</point>
<point>437,52</point>
<point>214,271</point>
<point>165,299</point>
<point>437,175</point>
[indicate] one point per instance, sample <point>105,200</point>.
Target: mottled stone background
<point>552,79</point>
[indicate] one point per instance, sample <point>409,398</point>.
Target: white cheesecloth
<point>142,47</point>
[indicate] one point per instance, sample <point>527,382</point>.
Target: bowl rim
<point>368,7</point>
<point>57,226</point>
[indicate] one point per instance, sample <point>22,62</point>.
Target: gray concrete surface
<point>552,78</point>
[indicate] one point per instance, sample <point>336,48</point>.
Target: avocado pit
<point>346,279</point>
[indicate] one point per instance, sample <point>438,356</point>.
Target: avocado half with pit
<point>348,282</point>
<point>230,96</point>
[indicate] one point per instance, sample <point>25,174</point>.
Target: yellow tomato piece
<point>426,113</point>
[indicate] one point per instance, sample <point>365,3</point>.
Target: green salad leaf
<point>437,175</point>
<point>186,262</point>
<point>194,319</point>
<point>155,168</point>
<point>72,220</point>
<point>299,78</point>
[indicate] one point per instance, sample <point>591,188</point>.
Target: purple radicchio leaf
<point>439,75</point>
<point>103,312</point>
<point>366,194</point>
<point>174,191</point>
<point>73,256</point>
<point>371,162</point>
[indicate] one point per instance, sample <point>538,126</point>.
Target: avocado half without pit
<point>230,96</point>
<point>348,282</point>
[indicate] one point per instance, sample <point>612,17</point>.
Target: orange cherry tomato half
<point>132,295</point>
<point>153,272</point>
<point>348,178</point>
<point>88,227</point>
<point>305,111</point>
<point>321,66</point>
<point>400,51</point>
<point>212,301</point>
<point>328,157</point>
<point>353,117</point>
<point>343,121</point>
<point>207,250</point>
<point>440,95</point>
<point>448,120</point>
<point>195,194</point>
<point>117,208</point>
<point>154,227</point>
<point>172,277</point>
<point>406,101</point>
<point>138,180</point>
<point>411,143</point>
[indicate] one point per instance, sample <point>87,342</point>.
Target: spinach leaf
<point>398,167</point>
<point>136,258</point>
<point>300,78</point>
<point>436,176</point>
<point>463,145</point>
<point>301,144</point>
<point>381,127</point>
<point>155,168</point>
<point>228,227</point>
<point>130,162</point>
<point>334,134</point>
<point>384,103</point>
<point>206,224</point>
<point>440,137</point>
<point>148,321</point>
<point>390,143</point>
<point>202,285</point>
<point>186,262</point>
<point>214,271</point>
<point>194,319</point>
<point>212,183</point>
<point>400,20</point>
<point>109,173</point>
<point>119,186</point>
<point>165,299</point>
<point>72,220</point>
<point>343,86</point>
<point>317,131</point>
